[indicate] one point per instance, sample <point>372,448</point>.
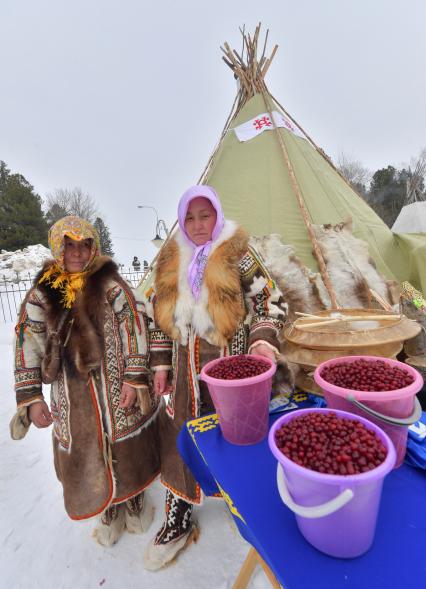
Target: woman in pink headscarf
<point>212,297</point>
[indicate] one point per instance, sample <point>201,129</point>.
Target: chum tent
<point>411,219</point>
<point>272,178</point>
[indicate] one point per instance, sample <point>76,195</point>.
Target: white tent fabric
<point>411,219</point>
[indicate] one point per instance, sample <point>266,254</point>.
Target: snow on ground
<point>15,266</point>
<point>41,548</point>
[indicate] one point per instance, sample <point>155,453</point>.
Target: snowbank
<point>18,265</point>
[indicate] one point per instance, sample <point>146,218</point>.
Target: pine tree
<point>55,213</point>
<point>22,221</point>
<point>387,193</point>
<point>104,236</point>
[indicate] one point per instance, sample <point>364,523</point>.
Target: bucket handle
<point>315,511</point>
<point>402,421</point>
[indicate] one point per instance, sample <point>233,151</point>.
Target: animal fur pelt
<point>352,271</point>
<point>219,310</point>
<point>303,289</point>
<point>84,349</point>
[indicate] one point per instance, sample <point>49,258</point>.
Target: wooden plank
<point>253,558</point>
<point>246,570</point>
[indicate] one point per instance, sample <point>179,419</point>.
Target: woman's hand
<point>160,382</point>
<point>264,350</point>
<point>127,396</point>
<point>39,414</point>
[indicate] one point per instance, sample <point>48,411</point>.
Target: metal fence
<point>12,292</point>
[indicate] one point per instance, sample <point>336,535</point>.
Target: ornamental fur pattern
<point>220,308</point>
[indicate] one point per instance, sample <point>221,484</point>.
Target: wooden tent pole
<point>318,149</point>
<point>305,215</point>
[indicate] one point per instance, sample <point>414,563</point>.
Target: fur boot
<point>176,533</point>
<point>110,526</point>
<point>139,513</point>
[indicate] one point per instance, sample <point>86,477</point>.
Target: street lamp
<point>159,226</point>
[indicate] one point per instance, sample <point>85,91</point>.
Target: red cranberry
<point>367,375</point>
<point>344,446</point>
<point>237,367</point>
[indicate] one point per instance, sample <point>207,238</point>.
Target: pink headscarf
<point>200,253</point>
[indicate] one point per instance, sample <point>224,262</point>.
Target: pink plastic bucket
<point>393,411</point>
<point>242,405</point>
<point>336,514</point>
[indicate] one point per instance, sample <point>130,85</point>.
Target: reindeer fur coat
<point>239,305</point>
<point>103,454</point>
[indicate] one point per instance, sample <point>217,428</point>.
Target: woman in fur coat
<point>81,329</point>
<point>212,297</point>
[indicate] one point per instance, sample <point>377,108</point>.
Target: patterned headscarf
<point>57,276</point>
<point>200,253</point>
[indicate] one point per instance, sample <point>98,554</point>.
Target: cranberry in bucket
<point>240,391</point>
<point>336,513</point>
<point>379,389</point>
<point>237,367</point>
<point>326,443</point>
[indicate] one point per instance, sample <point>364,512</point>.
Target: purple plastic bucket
<point>337,514</point>
<point>393,410</point>
<point>242,405</point>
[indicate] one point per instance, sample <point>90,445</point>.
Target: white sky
<point>126,99</point>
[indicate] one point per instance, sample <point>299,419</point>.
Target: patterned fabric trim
<point>123,422</point>
<point>27,379</point>
<point>247,266</point>
<point>137,369</point>
<point>35,326</point>
<point>170,405</point>
<point>60,411</point>
<point>239,342</point>
<point>137,363</point>
<point>159,340</point>
<point>113,293</point>
<point>266,328</point>
<point>195,501</point>
<point>161,347</point>
<point>177,522</point>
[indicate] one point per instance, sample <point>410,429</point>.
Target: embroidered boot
<point>110,526</point>
<point>177,532</point>
<point>139,513</point>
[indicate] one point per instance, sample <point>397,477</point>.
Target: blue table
<point>246,477</point>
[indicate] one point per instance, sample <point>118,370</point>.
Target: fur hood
<point>220,307</point>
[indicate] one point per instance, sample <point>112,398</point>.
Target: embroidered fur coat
<point>239,305</point>
<point>103,453</point>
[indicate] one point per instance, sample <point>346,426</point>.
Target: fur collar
<point>219,309</point>
<point>83,329</point>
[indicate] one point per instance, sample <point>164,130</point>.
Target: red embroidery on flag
<point>262,122</point>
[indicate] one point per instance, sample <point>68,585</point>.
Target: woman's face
<point>200,220</point>
<point>76,254</point>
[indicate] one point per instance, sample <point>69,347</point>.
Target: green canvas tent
<point>256,189</point>
<point>261,178</point>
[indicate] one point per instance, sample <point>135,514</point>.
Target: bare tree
<point>63,201</point>
<point>416,179</point>
<point>354,172</point>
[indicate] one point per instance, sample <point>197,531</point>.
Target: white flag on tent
<point>263,122</point>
